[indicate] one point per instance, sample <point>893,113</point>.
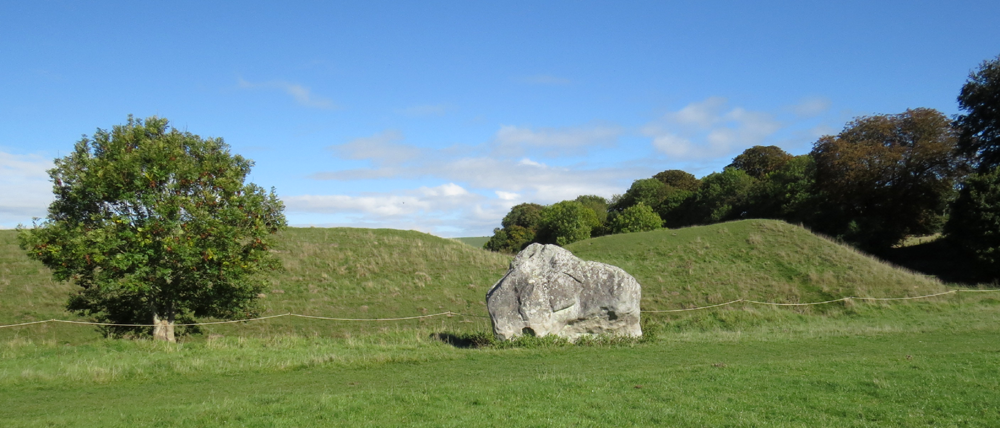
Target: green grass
<point>911,363</point>
<point>902,365</point>
<point>764,260</point>
<point>475,241</point>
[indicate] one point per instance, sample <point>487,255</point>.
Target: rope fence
<point>451,314</point>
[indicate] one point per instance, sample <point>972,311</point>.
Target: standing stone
<point>548,290</point>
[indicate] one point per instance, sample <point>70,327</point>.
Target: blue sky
<point>439,116</point>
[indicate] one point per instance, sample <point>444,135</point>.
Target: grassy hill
<point>365,273</point>
<point>475,241</point>
<point>765,260</point>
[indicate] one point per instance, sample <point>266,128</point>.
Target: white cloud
<point>301,94</point>
<point>506,196</point>
<point>382,149</point>
<point>27,191</point>
<point>425,110</point>
<point>552,142</point>
<point>706,130</point>
<point>702,115</point>
<point>811,107</point>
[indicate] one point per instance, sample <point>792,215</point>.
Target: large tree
<point>888,176</point>
<point>155,224</point>
<point>975,221</point>
<point>759,161</point>
<point>565,222</point>
<point>980,126</point>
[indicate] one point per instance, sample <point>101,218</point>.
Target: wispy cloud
<point>301,94</point>
<point>27,191</point>
<point>811,107</point>
<point>553,142</point>
<point>424,110</point>
<point>381,149</point>
<point>709,129</point>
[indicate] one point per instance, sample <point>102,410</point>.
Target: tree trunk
<point>163,328</point>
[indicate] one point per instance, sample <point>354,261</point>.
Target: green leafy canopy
<point>150,221</point>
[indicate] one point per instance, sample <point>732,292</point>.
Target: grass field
<point>475,241</point>
<point>905,365</point>
<point>909,363</point>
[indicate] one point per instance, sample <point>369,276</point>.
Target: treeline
<point>881,179</point>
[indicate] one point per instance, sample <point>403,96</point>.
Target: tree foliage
<point>888,176</point>
<point>155,224</point>
<point>599,205</point>
<point>975,220</point>
<point>564,223</point>
<point>678,179</point>
<point>722,196</point>
<point>980,126</point>
<point>520,227</point>
<point>526,215</point>
<point>786,193</point>
<point>637,218</point>
<point>649,191</point>
<point>759,161</point>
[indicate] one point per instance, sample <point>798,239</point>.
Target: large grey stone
<point>548,290</point>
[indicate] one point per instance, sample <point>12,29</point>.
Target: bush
<point>637,218</point>
<point>565,222</point>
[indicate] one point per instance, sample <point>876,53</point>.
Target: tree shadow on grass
<point>466,340</point>
<point>939,258</point>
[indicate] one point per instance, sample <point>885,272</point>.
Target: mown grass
<point>902,365</point>
<point>922,362</point>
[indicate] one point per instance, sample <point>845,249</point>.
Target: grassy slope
<point>365,273</point>
<point>764,260</point>
<point>475,241</point>
<point>904,364</point>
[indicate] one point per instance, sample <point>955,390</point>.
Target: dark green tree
<point>759,161</point>
<point>526,215</point>
<point>637,218</point>
<point>155,224</point>
<point>979,127</point>
<point>786,193</point>
<point>888,176</point>
<point>722,196</point>
<point>678,179</point>
<point>564,223</point>
<point>975,220</point>
<point>649,191</point>
<point>599,206</point>
<point>520,227</point>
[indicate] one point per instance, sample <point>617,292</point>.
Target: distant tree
<point>520,228</point>
<point>649,191</point>
<point>637,218</point>
<point>526,215</point>
<point>975,220</point>
<point>564,223</point>
<point>888,176</point>
<point>671,208</point>
<point>155,224</point>
<point>980,127</point>
<point>510,239</point>
<point>759,161</point>
<point>721,197</point>
<point>678,179</point>
<point>599,206</point>
<point>786,193</point>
